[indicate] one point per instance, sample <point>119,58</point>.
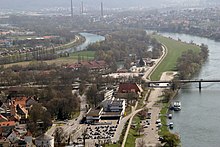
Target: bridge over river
<point>174,82</point>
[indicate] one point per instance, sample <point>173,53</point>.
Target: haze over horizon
<point>39,4</point>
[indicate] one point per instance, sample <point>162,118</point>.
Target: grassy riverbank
<point>174,51</point>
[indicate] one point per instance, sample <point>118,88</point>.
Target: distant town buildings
<point>91,65</point>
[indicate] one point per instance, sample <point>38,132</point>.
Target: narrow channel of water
<point>198,121</point>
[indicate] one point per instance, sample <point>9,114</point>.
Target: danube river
<point>198,121</point>
<point>90,38</point>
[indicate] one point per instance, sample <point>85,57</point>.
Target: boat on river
<point>177,106</point>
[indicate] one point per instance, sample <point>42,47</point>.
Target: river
<point>198,121</point>
<point>90,38</point>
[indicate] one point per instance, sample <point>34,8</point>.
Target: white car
<point>158,121</point>
<point>159,125</point>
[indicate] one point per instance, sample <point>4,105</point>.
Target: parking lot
<point>103,132</point>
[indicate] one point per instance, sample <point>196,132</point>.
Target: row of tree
<point>190,62</point>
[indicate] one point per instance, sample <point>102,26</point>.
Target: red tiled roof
<point>20,100</point>
<point>128,87</point>
<point>7,123</point>
<point>89,64</point>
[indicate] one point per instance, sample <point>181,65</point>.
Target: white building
<point>44,141</point>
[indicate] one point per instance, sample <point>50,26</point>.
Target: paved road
<point>146,77</point>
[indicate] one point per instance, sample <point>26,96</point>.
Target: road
<point>74,124</point>
<point>149,105</point>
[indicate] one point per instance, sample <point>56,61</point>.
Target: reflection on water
<point>198,121</point>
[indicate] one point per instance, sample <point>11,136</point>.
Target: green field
<point>175,50</point>
<point>84,55</point>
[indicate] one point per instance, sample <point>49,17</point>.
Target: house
<point>5,110</point>
<point>4,142</point>
<point>22,112</point>
<point>19,101</point>
<point>30,101</point>
<point>20,137</point>
<point>91,65</point>
<point>129,91</point>
<point>3,119</point>
<point>18,109</point>
<point>44,141</point>
<point>6,128</point>
<point>28,139</point>
<point>13,137</point>
<point>19,143</point>
<point>149,62</point>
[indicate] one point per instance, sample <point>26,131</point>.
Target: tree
<point>171,140</point>
<point>92,95</point>
<point>141,62</point>
<point>59,136</point>
<point>39,119</point>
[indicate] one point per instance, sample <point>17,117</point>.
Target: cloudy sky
<point>35,4</point>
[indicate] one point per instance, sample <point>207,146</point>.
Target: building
<point>6,128</point>
<point>113,105</point>
<point>44,141</point>
<point>129,91</point>
<point>111,109</point>
<point>91,65</point>
<point>93,115</point>
<point>4,142</point>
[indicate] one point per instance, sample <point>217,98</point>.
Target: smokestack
<point>102,14</point>
<point>82,8</point>
<point>72,8</point>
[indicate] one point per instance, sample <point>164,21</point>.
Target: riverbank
<point>174,51</point>
<point>189,123</point>
<point>74,52</point>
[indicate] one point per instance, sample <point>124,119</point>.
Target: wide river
<point>198,123</point>
<point>90,38</point>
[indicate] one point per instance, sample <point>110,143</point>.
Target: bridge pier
<point>200,85</point>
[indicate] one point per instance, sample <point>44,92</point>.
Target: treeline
<point>190,62</point>
<point>120,45</point>
<point>40,54</point>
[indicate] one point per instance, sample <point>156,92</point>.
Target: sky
<point>37,4</point>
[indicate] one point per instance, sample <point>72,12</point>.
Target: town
<point>86,82</point>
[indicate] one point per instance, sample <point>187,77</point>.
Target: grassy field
<point>164,129</point>
<point>85,55</point>
<point>175,50</point>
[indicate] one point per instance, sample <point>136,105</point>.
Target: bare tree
<point>59,136</point>
<point>141,143</point>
